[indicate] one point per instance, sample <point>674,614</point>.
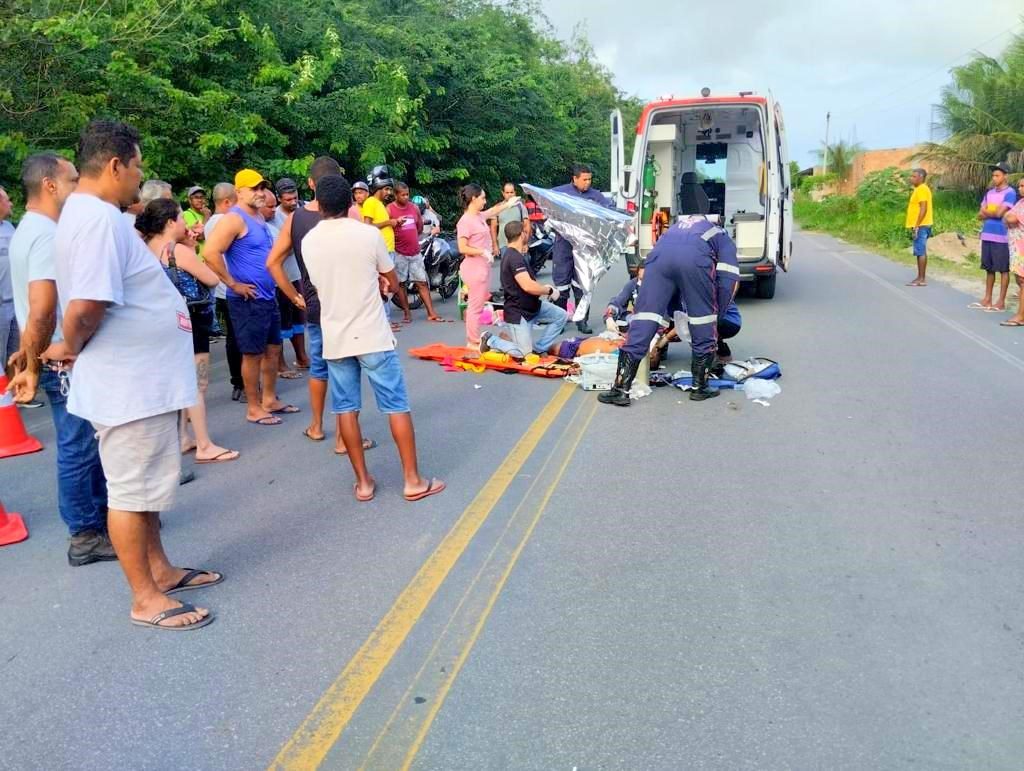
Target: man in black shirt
<point>527,303</point>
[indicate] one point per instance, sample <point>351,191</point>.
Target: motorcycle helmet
<point>379,178</point>
<point>360,186</point>
<point>420,203</point>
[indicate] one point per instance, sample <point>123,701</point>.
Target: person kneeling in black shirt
<point>528,304</point>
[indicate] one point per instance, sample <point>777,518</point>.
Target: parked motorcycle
<point>541,246</point>
<point>442,266</point>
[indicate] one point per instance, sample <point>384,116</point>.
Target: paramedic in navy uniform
<point>693,266</point>
<point>563,270</point>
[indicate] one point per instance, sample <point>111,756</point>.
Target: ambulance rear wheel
<point>766,287</point>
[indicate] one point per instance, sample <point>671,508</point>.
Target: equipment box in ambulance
<point>720,156</point>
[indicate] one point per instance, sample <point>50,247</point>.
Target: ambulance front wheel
<point>766,287</point>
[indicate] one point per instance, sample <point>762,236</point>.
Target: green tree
<point>982,111</point>
<point>839,157</point>
<point>443,90</point>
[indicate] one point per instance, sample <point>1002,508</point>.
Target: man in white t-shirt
<point>128,335</point>
<point>8,324</point>
<point>346,260</point>
<point>81,486</point>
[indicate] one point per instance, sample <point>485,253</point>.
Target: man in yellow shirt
<point>382,191</point>
<point>919,221</point>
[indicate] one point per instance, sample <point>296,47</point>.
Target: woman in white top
<point>163,229</point>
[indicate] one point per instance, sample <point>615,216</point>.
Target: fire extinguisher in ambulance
<point>659,224</point>
<point>651,171</point>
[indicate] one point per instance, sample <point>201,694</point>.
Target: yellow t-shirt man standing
<point>377,212</point>
<point>922,194</point>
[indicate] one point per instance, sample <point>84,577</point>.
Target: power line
<point>945,67</point>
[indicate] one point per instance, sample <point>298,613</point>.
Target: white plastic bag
<point>756,388</point>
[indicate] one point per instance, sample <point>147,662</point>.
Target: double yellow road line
<point>319,732</point>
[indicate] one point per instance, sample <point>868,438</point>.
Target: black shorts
<point>293,318</point>
<point>995,257</point>
<point>202,319</point>
<point>257,324</point>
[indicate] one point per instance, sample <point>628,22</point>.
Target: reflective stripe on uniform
<point>697,320</point>
<point>562,288</point>
<point>649,317</point>
<point>723,267</point>
<point>711,233</point>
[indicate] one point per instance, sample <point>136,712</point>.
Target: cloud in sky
<point>878,66</point>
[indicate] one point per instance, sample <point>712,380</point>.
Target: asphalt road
<point>833,581</point>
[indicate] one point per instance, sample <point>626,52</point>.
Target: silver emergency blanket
<point>597,235</point>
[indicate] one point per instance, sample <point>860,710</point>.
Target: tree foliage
<point>446,91</point>
<point>839,157</point>
<point>982,111</point>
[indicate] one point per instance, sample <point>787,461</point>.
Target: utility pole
<point>828,118</point>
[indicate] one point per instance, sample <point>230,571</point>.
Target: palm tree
<point>839,157</point>
<point>982,112</point>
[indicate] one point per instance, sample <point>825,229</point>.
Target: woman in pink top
<point>477,249</point>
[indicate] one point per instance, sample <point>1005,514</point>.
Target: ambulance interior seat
<point>692,198</point>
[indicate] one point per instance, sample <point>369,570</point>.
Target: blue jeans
<point>384,372</point>
<point>921,242</point>
<point>81,486</point>
<point>550,317</point>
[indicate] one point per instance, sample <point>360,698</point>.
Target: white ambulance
<point>721,156</point>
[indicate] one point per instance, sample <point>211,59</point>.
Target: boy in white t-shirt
<point>127,333</point>
<point>346,260</point>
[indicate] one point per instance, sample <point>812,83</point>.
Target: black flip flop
<point>184,586</point>
<point>154,623</point>
<point>305,433</point>
<point>288,409</point>
<point>366,447</point>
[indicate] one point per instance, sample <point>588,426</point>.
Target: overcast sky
<point>877,65</point>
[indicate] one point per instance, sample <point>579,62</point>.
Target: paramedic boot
<point>624,374</point>
<point>701,366</point>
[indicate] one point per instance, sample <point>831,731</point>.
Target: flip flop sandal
<point>288,409</point>
<point>290,375</point>
<point>433,488</point>
<point>441,320</point>
<point>978,307</point>
<point>300,366</point>
<point>220,457</point>
<point>184,586</point>
<point>994,309</point>
<point>154,623</point>
<point>310,437</point>
<point>366,447</point>
<point>361,498</point>
<point>1011,323</point>
<point>270,420</point>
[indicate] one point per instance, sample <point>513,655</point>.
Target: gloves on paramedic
<point>554,294</point>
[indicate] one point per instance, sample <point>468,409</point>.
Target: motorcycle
<point>442,265</point>
<point>541,246</point>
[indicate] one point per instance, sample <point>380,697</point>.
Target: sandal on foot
<point>1011,323</point>
<point>154,623</point>
<point>288,409</point>
<point>269,420</point>
<point>363,498</point>
<point>433,488</point>
<point>368,444</point>
<point>310,437</point>
<point>978,307</point>
<point>290,375</point>
<point>221,457</point>
<point>183,585</point>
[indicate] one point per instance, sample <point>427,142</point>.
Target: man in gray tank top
<point>295,228</point>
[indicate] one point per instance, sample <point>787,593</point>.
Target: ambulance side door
<point>781,152</point>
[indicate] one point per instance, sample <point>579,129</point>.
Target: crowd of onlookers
<point>1001,214</point>
<point>111,292</point>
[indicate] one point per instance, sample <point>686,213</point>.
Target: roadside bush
<point>888,188</point>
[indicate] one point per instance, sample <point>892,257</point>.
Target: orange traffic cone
<point>14,440</point>
<point>12,527</point>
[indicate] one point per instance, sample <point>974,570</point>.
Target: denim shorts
<point>384,373</point>
<point>317,365</point>
<point>257,324</point>
<point>921,242</point>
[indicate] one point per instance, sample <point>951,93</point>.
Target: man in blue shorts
<point>346,260</point>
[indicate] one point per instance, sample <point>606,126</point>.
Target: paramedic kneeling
<point>527,303</point>
<point>694,266</point>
